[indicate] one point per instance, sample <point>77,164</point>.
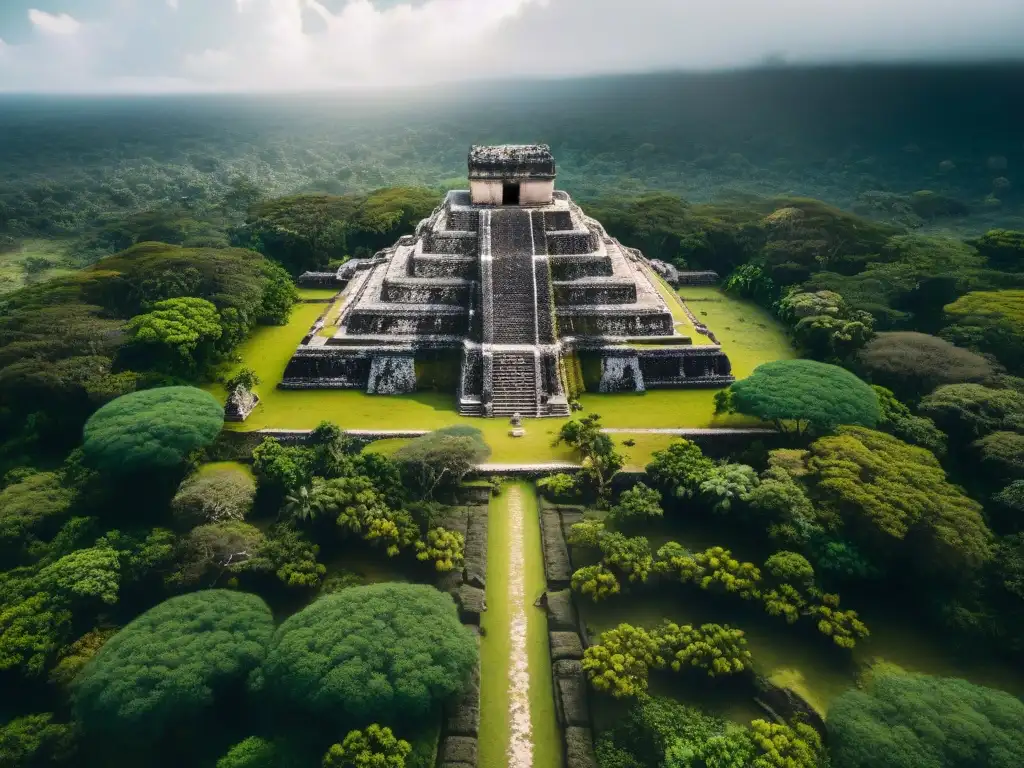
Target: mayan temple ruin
<point>509,295</point>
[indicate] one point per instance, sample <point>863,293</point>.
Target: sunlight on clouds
<point>238,45</point>
<point>60,24</point>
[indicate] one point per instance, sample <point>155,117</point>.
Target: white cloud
<point>60,24</point>
<point>312,44</point>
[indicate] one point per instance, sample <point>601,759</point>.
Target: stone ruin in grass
<point>504,293</point>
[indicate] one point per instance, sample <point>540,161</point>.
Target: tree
<point>679,469</point>
<point>778,745</point>
<point>374,747</point>
<point>899,422</point>
<point>152,429</point>
<point>966,412</point>
<point>31,510</point>
<point>83,576</point>
<point>281,469</point>
<point>446,549</point>
<point>728,484</point>
<point>824,325</point>
<point>713,648</point>
<point>990,322</point>
<point>31,632</point>
<point>903,720</point>
<point>209,553</point>
<point>253,752</point>
<point>600,458</point>
<point>596,581</point>
<point>791,567</point>
<point>34,741</point>
<point>586,533</point>
<point>441,458</point>
<point>630,556</point>
<point>913,364</point>
<point>801,394</point>
<point>1004,248</point>
<point>557,486</point>
<point>638,504</point>
<point>620,661</point>
<point>169,666</point>
<point>287,554</point>
<point>213,496</point>
<point>884,489</point>
<point>714,569</point>
<point>177,334</point>
<point>1002,455</point>
<point>279,295</point>
<point>378,652</point>
<point>77,655</point>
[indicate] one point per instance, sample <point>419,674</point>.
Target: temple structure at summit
<point>512,298</point>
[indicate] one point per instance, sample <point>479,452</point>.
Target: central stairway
<point>515,304</point>
<point>514,384</point>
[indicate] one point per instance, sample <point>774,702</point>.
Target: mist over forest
<point>208,559</point>
<point>843,135</point>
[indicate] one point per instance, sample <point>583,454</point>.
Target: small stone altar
<point>507,282</point>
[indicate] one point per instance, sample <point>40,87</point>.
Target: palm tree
<point>300,504</point>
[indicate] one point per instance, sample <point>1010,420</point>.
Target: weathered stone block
<point>557,567</point>
<point>459,749</point>
<point>572,695</point>
<point>565,645</point>
<point>579,748</point>
<point>464,715</point>
<point>471,603</point>
<point>455,519</point>
<point>567,668</point>
<point>476,550</point>
<point>560,610</point>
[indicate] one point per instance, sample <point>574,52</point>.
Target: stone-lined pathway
<point>520,747</point>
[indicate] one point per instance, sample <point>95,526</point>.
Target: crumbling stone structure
<point>505,281</point>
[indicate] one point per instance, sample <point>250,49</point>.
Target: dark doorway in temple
<point>509,194</point>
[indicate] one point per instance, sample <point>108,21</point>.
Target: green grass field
<point>317,294</point>
<point>12,263</point>
<point>496,646</point>
<point>748,333</point>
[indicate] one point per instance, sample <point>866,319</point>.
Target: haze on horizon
<point>152,46</point>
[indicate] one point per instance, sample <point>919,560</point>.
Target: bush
<point>441,459</point>
<point>913,364</point>
<point>386,653</point>
<point>168,667</point>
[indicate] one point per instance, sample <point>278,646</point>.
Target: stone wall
<point>391,375</point>
<point>566,641</point>
<point>621,374</point>
<point>460,731</point>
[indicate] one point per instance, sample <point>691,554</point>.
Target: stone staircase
<point>514,308</point>
<point>515,384</point>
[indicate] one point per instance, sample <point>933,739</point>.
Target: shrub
<point>213,496</point>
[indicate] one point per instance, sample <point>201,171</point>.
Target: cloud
<point>48,23</point>
<point>214,45</point>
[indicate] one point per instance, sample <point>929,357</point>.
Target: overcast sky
<point>232,45</point>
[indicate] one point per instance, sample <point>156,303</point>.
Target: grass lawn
<point>496,644</point>
<point>217,466</point>
<point>317,294</point>
<point>749,335</point>
<point>12,271</point>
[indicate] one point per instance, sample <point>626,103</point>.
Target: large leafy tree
<point>152,429</point>
<point>601,460</point>
<point>824,325</point>
<point>679,469</point>
<point>989,321</point>
<point>901,720</point>
<point>968,411</point>
<point>169,666</point>
<point>801,395</point>
<point>441,458</point>
<point>884,489</point>
<point>178,335</point>
<point>385,653</point>
<point>213,496</point>
<point>913,364</point>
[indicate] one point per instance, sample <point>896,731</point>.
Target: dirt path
<point>520,747</point>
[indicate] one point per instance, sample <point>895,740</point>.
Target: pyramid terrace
<point>508,294</point>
